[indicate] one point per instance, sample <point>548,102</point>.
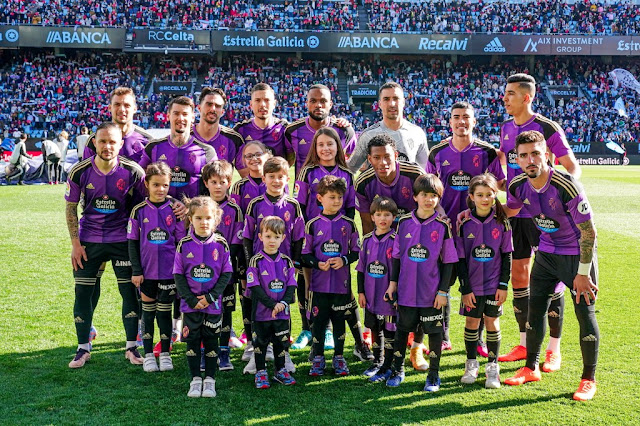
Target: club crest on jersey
<point>476,160</point>
<point>482,253</point>
<point>192,157</point>
<point>376,269</point>
<point>495,233</point>
<point>202,273</point>
<point>215,254</point>
<point>105,204</point>
<point>546,224</point>
<point>406,192</point>
<point>434,236</point>
<point>553,203</point>
<point>227,220</point>
<point>223,151</point>
<point>168,220</point>
<point>158,236</point>
<point>285,272</point>
<point>287,216</point>
<point>389,252</point>
<point>120,184</point>
<point>344,230</point>
<point>418,253</point>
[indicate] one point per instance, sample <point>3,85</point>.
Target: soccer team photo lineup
<point>402,212</point>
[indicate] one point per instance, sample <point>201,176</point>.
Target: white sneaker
<point>492,370</point>
<point>150,365</point>
<point>195,388</point>
<point>250,368</point>
<point>288,363</point>
<point>248,353</point>
<point>269,356</point>
<point>209,388</point>
<point>166,364</point>
<point>470,371</point>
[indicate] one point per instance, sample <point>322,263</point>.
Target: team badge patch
<point>120,184</point>
<point>406,192</point>
<point>434,236</point>
<point>215,254</point>
<point>287,216</point>
<point>495,233</point>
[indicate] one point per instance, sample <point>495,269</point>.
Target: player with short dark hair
<point>227,142</point>
<point>518,100</point>
<point>217,177</point>
<point>202,269</point>
<point>300,133</point>
<point>567,253</point>
<point>271,281</point>
<point>263,126</point>
<point>425,249</point>
<point>109,186</point>
<point>331,245</point>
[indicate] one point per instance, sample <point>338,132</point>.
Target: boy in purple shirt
<point>567,253</point>
<point>109,186</point>
<point>331,245</point>
<point>202,269</point>
<point>484,247</point>
<point>374,269</point>
<point>425,249</point>
<point>153,233</point>
<point>217,177</point>
<point>272,283</point>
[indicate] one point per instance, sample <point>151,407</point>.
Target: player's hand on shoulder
<point>179,209</point>
<point>340,122</point>
<point>462,216</point>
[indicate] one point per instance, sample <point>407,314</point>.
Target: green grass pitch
<point>37,341</point>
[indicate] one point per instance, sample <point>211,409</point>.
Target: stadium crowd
<point>45,93</point>
<point>545,17</point>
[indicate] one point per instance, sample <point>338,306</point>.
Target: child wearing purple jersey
<point>374,267</point>
<point>484,246</point>
<point>271,281</point>
<point>274,202</point>
<point>254,155</point>
<point>331,245</point>
<point>153,233</point>
<point>202,269</point>
<point>217,177</point>
<point>326,157</point>
<point>424,246</point>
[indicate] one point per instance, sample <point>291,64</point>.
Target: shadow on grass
<point>38,387</point>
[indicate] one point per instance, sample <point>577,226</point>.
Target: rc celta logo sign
<point>170,36</point>
<point>73,37</point>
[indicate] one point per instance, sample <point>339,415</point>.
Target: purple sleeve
<point>298,229</point>
<point>72,193</point>
<point>362,204</point>
<point>301,192</point>
<point>495,168</point>
<point>507,242</point>
<point>459,243</point>
<point>292,278</point>
<point>307,247</point>
<point>350,197</point>
<point>179,232</point>
<point>177,264</point>
<point>226,261</point>
<point>513,202</point>
<point>133,230</point>
<point>362,259</point>
<point>354,241</point>
<point>396,248</point>
<point>579,209</point>
<point>249,228</point>
<point>144,160</point>
<point>558,144</point>
<point>87,152</point>
<point>252,277</point>
<point>431,168</point>
<point>350,145</point>
<point>235,198</point>
<point>236,234</point>
<point>238,162</point>
<point>448,253</point>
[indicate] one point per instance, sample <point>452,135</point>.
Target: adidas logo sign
<point>264,273</point>
<point>446,163</point>
<point>495,46</point>
<point>190,352</point>
<point>131,314</point>
<point>471,236</point>
<point>433,354</point>
<point>589,338</point>
<point>90,186</point>
<point>162,158</point>
<point>526,201</point>
<point>145,220</point>
<point>190,256</point>
<point>146,336</point>
<point>397,354</point>
<point>78,320</point>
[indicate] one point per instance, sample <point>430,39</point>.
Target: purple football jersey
<point>232,222</point>
<point>299,136</point>
<point>134,143</point>
<point>553,134</point>
<point>246,189</point>
<point>107,200</point>
<point>226,142</point>
<point>305,188</point>
<point>274,276</point>
<point>159,232</point>
<point>326,238</point>
<point>556,209</point>
<point>202,263</point>
<point>419,247</point>
<point>286,208</point>
<point>481,244</point>
<point>375,264</point>
<point>368,187</point>
<point>186,163</point>
<point>272,136</point>
<point>456,168</point>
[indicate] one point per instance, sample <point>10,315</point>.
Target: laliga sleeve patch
<point>584,208</point>
<point>67,192</point>
<point>250,277</point>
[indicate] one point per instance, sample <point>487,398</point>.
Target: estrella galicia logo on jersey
<point>105,205</point>
<point>512,160</point>
<point>158,236</point>
<point>482,253</point>
<point>276,286</point>
<point>376,269</point>
<point>546,224</point>
<point>179,177</point>
<point>331,248</point>
<point>459,181</point>
<point>418,253</point>
<point>202,273</point>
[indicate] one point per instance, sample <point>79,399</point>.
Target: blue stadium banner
<point>9,36</point>
<point>177,88</point>
<point>171,38</point>
<point>363,90</point>
<point>72,37</point>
